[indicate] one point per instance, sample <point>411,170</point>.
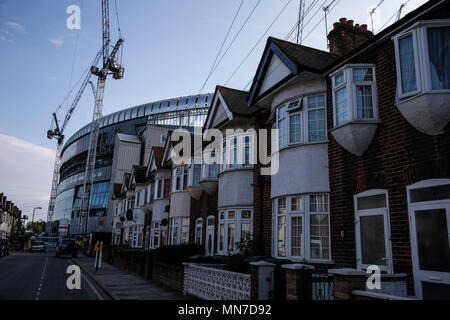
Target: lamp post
<point>32,220</point>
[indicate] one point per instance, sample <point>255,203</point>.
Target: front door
<point>429,214</point>
<point>430,243</point>
<point>210,227</point>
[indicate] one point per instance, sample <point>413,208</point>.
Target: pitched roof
<point>139,174</point>
<point>117,191</point>
<point>309,58</point>
<point>126,178</point>
<point>159,153</point>
<point>236,100</point>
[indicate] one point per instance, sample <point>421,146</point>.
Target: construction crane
<point>110,66</point>
<point>57,132</point>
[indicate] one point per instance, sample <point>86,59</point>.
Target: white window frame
<point>432,276</point>
<point>419,34</point>
<point>237,220</point>
<point>387,228</point>
<point>184,170</point>
<point>178,223</point>
<point>210,229</point>
<point>163,182</point>
<point>303,110</point>
<point>305,213</point>
<point>350,84</point>
<point>198,223</point>
<point>239,149</point>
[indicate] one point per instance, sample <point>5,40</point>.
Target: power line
<point>257,43</point>
<point>237,34</point>
<point>395,14</point>
<point>221,47</point>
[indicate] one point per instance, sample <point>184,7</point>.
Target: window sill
<point>303,144</point>
<point>311,261</point>
<point>247,168</point>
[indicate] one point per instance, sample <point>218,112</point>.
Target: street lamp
<point>32,220</point>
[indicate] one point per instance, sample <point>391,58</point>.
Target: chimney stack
<point>346,36</point>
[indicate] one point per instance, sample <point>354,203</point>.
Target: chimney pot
<point>335,25</point>
<point>364,26</point>
<point>350,22</point>
<point>357,25</point>
<point>343,20</point>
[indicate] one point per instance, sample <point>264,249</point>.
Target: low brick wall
<point>168,275</point>
<point>130,261</point>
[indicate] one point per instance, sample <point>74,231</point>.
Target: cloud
<point>15,26</point>
<point>57,42</point>
<point>26,174</point>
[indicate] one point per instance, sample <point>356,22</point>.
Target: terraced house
<point>362,139</point>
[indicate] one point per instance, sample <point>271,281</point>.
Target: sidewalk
<point>122,285</point>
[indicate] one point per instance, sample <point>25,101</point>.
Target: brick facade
<point>398,156</point>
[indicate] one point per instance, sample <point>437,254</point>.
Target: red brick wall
<point>203,208</point>
<point>262,203</point>
<point>398,156</point>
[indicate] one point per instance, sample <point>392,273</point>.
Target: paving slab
<point>122,285</point>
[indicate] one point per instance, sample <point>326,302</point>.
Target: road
<point>42,276</point>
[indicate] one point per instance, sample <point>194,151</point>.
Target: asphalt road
<point>42,276</point>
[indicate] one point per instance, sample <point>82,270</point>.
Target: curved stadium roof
<point>161,106</point>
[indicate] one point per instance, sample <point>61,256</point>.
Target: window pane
<point>439,51</point>
<point>373,249</point>
<point>320,237</point>
<point>339,79</point>
<point>318,203</point>
<point>296,204</point>
<point>231,237</point>
<point>281,236</point>
<point>432,240</point>
<point>282,112</point>
<point>407,65</point>
<point>317,125</point>
<point>430,194</point>
<point>372,202</point>
<point>221,236</point>
<point>212,173</point>
<point>246,214</point>
<point>295,128</point>
<point>364,102</point>
<point>362,74</point>
<point>316,102</point>
<point>296,236</point>
<point>282,206</point>
<point>341,106</point>
<point>282,133</point>
<point>245,231</point>
<point>197,173</point>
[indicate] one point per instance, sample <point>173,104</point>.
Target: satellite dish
<point>164,222</point>
<point>167,209</point>
<point>122,219</point>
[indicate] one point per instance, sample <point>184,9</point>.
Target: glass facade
<point>190,110</point>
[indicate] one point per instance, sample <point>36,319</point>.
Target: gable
<point>219,111</point>
<point>276,71</point>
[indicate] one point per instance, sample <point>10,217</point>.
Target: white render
<point>180,204</point>
<point>236,188</point>
<point>276,72</point>
<point>303,169</point>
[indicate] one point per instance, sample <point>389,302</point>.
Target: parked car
<point>5,247</point>
<point>38,246</point>
<point>67,246</point>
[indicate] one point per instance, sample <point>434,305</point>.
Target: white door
<point>373,245</point>
<point>209,242</point>
<point>430,240</point>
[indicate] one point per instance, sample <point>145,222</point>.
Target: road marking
<point>99,296</point>
<point>41,282</point>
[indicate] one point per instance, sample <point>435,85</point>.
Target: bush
<point>240,262</point>
<point>176,255</point>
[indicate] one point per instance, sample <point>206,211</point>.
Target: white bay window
<point>235,226</point>
<point>302,121</point>
<point>354,94</point>
<point>301,228</point>
<point>428,69</point>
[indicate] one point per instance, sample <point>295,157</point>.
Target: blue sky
<point>169,48</point>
